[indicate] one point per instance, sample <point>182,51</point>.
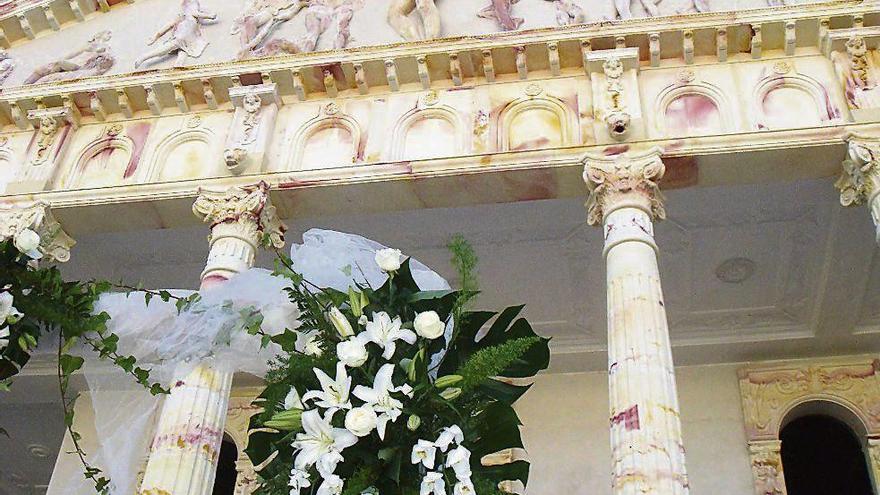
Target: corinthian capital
<point>859,178</point>
<point>246,208</point>
<point>624,180</point>
<point>54,245</point>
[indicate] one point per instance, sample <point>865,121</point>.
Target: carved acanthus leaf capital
<point>54,245</point>
<point>624,179</point>
<point>860,172</point>
<point>248,207</point>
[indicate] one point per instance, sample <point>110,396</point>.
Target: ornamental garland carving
<point>618,178</point>
<point>854,71</point>
<point>55,244</point>
<point>769,394</point>
<point>247,207</point>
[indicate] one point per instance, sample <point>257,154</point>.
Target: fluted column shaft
<point>646,442</point>
<point>184,451</point>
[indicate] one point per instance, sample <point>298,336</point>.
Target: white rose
<point>352,352</point>
<point>340,322</point>
<point>428,325</point>
<point>388,259</point>
<point>361,420</point>
<point>27,241</point>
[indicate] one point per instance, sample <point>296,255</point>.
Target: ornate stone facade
<point>770,394</point>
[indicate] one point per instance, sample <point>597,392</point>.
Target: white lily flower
<point>299,479</point>
<point>327,463</point>
<point>335,392</point>
<point>310,343</point>
<point>464,488</point>
<point>8,313</point>
<point>363,320</point>
<point>459,459</point>
<point>4,338</point>
<point>383,331</point>
<point>423,453</point>
<point>331,486</point>
<point>448,436</point>
<point>292,400</point>
<point>379,398</point>
<point>319,438</point>
<point>433,484</point>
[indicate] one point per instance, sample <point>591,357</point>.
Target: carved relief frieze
<point>501,11</point>
<point>259,19</point>
<point>320,15</point>
<point>652,9</point>
<point>7,65</point>
<point>182,36</point>
<point>415,19</point>
<point>767,469</point>
<point>256,109</point>
<point>768,394</point>
<point>95,58</point>
<point>568,13</point>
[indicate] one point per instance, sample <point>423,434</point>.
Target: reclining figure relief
<point>92,60</point>
<point>624,10</point>
<point>186,37</point>
<point>568,13</point>
<point>320,15</point>
<point>502,11</point>
<point>260,18</point>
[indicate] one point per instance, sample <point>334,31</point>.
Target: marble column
<point>646,443</point>
<point>185,448</point>
<point>766,456</point>
<point>859,182</point>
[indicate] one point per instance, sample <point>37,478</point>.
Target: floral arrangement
<point>396,390</point>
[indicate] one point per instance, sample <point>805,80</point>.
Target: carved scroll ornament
<point>621,178</point>
<point>246,208</point>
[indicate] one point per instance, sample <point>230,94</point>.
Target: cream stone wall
<point>566,432</point>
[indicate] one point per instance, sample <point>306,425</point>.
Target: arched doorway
<point>822,455</point>
<point>224,482</point>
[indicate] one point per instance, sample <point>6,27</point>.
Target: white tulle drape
<point>170,344</point>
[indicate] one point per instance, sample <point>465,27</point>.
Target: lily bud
<point>340,322</point>
<point>354,301</point>
<point>450,393</point>
<point>290,420</point>
<point>413,422</point>
<point>448,381</point>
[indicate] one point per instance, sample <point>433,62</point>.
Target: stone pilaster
<point>859,183</point>
<point>766,456</point>
<point>873,446</point>
<point>184,451</point>
<point>54,245</point>
<point>646,442</point>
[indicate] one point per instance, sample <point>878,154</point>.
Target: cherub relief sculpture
<point>260,18</point>
<point>415,19</point>
<point>92,60</point>
<point>186,37</point>
<point>854,70</point>
<point>650,6</point>
<point>320,15</point>
<point>501,11</point>
<point>567,13</point>
<point>7,65</point>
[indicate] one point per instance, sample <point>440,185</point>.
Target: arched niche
<point>793,100</point>
<point>535,122</point>
<point>184,155</point>
<point>326,142</point>
<point>692,109</point>
<point>107,161</point>
<point>847,389</point>
<point>429,132</point>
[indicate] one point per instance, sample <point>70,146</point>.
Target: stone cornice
<point>390,67</point>
<point>28,21</point>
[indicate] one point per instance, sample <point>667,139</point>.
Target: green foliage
<point>490,362</point>
<point>53,306</point>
